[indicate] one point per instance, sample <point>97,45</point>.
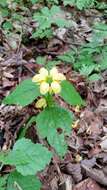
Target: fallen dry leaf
<point>75,171</point>
<point>96,174</point>
<point>88,184</point>
<point>103,144</point>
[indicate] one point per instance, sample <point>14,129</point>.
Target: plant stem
<point>50,100</point>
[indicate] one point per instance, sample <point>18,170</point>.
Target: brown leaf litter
<point>84,167</point>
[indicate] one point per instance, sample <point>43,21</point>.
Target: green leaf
<point>7,25</point>
<point>34,1</point>
<point>29,158</point>
<point>68,57</point>
<point>4,12</point>
<point>87,70</point>
<point>94,77</point>
<point>55,9</point>
<point>51,64</point>
<point>53,118</point>
<point>80,3</point>
<point>41,60</point>
<point>70,95</point>
<point>3,3</point>
<point>84,60</point>
<point>40,33</point>
<point>24,94</point>
<point>84,4</point>
<point>100,26</point>
<point>56,14</point>
<point>3,181</point>
<point>103,62</point>
<point>57,141</point>
<point>69,2</point>
<point>45,18</point>
<point>18,182</point>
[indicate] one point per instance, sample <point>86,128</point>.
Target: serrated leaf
<point>24,94</point>
<point>79,3</point>
<point>84,3</point>
<point>46,17</point>
<point>68,57</point>
<point>94,77</point>
<point>57,141</point>
<point>54,118</point>
<point>17,181</point>
<point>69,2</point>
<point>87,70</point>
<point>43,18</point>
<point>55,9</point>
<point>70,94</point>
<point>27,157</point>
<point>42,33</point>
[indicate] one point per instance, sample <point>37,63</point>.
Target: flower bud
<point>41,103</point>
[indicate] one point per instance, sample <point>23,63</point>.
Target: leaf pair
<point>28,91</point>
<point>48,121</point>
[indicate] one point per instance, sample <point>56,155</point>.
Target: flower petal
<point>61,77</point>
<point>44,87</point>
<point>43,71</point>
<point>53,72</point>
<point>56,76</point>
<point>36,78</point>
<point>56,87</point>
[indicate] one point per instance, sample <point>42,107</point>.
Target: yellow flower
<point>41,103</point>
<point>56,75</point>
<point>43,74</point>
<point>53,72</point>
<point>56,87</point>
<point>44,87</point>
<point>77,109</point>
<point>49,81</point>
<point>36,78</point>
<point>75,125</point>
<point>78,158</point>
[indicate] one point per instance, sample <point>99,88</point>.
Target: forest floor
<point>84,166</point>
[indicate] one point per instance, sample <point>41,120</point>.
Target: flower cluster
<point>49,81</point>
